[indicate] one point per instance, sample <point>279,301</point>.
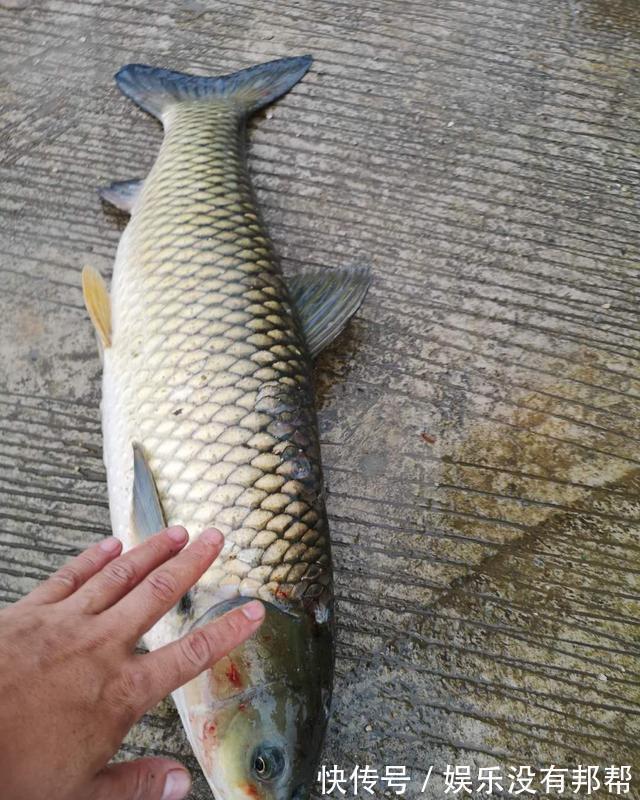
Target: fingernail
<point>110,545</point>
<point>177,535</point>
<point>176,785</point>
<point>253,610</point>
<point>212,537</point>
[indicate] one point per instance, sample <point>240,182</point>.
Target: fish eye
<point>267,762</point>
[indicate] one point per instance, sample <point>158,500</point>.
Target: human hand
<point>71,685</point>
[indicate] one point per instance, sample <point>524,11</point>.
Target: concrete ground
<point>480,418</point>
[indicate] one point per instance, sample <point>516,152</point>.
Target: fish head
<point>270,746</point>
<point>257,718</point>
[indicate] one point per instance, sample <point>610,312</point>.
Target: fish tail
<point>155,89</point>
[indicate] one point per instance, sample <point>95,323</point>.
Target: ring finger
<point>119,577</point>
<point>69,578</point>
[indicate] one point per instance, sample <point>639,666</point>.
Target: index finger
<point>177,663</point>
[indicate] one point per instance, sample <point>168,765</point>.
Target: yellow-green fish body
<point>209,420</point>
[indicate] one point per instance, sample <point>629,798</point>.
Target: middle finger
<point>162,589</point>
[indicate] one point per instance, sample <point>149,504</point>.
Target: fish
<point>209,419</point>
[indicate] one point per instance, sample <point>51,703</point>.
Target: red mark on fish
<point>233,675</point>
<point>209,742</point>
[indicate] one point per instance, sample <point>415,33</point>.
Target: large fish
<point>208,419</point>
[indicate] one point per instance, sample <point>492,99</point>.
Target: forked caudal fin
<point>155,89</point>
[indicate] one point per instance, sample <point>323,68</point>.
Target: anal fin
<point>122,194</point>
<point>96,299</point>
<point>326,300</point>
<point>146,512</point>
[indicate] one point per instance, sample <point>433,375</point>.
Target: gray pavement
<point>479,418</point>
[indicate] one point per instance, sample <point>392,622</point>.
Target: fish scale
<point>214,370</point>
<point>209,420</point>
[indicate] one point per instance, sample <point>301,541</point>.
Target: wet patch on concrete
<point>529,654</point>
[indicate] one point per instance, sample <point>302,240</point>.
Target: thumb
<point>143,779</point>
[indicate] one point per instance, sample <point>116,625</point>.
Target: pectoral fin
<point>326,301</point>
<point>147,514</point>
<point>96,299</point>
<point>121,194</point>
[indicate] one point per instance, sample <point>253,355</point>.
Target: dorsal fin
<point>326,301</point>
